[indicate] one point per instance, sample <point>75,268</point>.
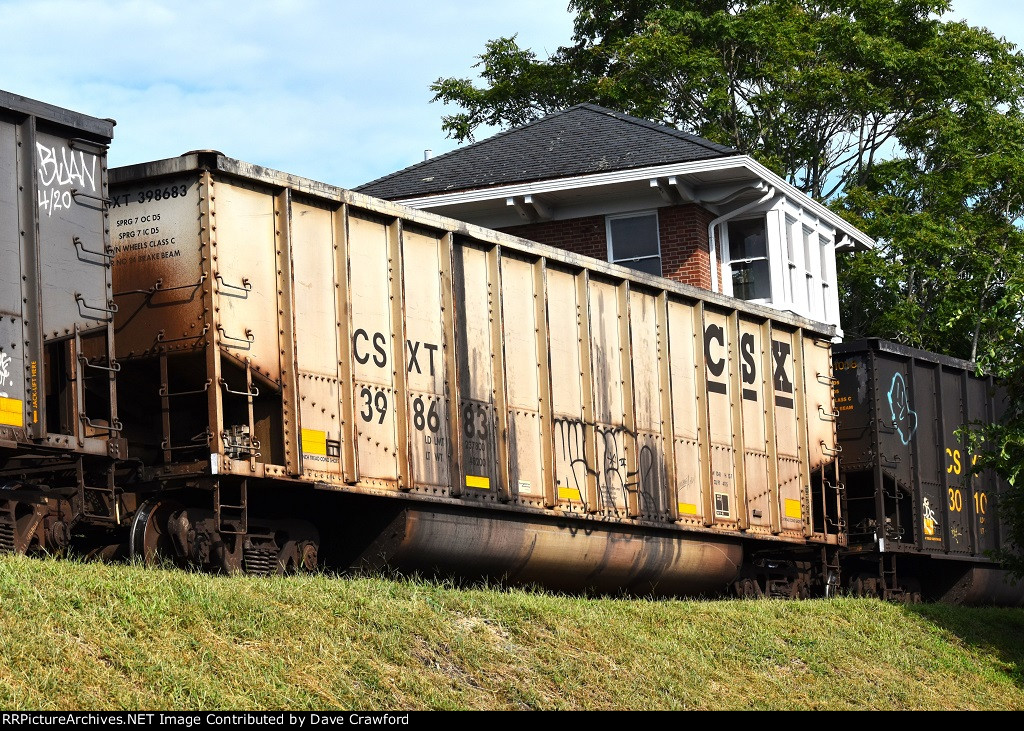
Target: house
<point>629,191</point>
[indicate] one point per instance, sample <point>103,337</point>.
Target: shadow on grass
<point>994,631</point>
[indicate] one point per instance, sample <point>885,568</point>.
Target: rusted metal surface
<point>605,558</point>
<point>473,369</point>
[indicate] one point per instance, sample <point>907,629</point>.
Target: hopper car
<point>226,366</point>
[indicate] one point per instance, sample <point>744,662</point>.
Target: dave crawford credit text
<point>222,718</point>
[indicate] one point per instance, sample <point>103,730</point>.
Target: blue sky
<point>333,90</point>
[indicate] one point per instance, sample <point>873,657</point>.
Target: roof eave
<point>856,239</point>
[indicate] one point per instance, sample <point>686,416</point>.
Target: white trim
<point>742,162</point>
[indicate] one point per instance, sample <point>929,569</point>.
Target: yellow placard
<point>792,508</point>
<point>12,412</point>
<point>569,493</point>
<point>480,483</point>
<point>687,509</point>
<point>314,441</point>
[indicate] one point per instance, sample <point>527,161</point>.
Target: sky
<point>333,90</point>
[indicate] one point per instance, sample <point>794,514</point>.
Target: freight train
<point>206,362</point>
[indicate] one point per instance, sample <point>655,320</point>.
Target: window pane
<point>747,239</point>
<point>790,250</point>
<point>808,238</point>
<point>824,261</point>
<point>651,265</point>
<point>634,236</point>
<point>751,281</point>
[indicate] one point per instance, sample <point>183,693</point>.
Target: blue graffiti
<point>903,418</point>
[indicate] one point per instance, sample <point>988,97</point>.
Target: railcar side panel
<point>317,331</point>
<point>692,491</point>
<point>646,329</point>
<point>758,454</point>
<point>476,352</point>
<point>572,448</point>
<point>984,485</point>
<point>724,424</point>
<point>789,506</point>
<point>12,348</point>
<point>430,434</point>
<point>73,282</point>
<point>954,461</point>
<point>160,307</point>
<point>374,351</point>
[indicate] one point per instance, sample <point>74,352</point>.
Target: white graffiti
<point>60,171</point>
<point>5,372</point>
<point>928,514</point>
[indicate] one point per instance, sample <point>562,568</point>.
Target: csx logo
<point>715,353</point>
<point>361,341</point>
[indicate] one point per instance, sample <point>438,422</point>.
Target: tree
<point>815,89</point>
<point>947,217</point>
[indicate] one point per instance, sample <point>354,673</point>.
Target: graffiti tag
<point>60,171</point>
<point>904,419</point>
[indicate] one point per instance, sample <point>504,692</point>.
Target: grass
<point>89,636</point>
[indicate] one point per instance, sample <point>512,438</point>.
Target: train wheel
<point>288,559</point>
<point>832,586</point>
<point>148,539</point>
<point>297,557</point>
<point>308,556</point>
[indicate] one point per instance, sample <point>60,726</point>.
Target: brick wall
<point>684,240</point>
<point>684,244</point>
<point>584,236</point>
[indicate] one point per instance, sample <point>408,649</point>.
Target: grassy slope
<point>92,636</point>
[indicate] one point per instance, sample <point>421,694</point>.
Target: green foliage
<point>816,89</point>
<point>946,275</point>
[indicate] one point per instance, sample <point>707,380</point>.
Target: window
<point>791,266</point>
<point>748,259</point>
<point>633,242</point>
<point>810,241</point>
<point>826,294</point>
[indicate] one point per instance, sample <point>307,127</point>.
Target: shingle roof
<point>580,140</point>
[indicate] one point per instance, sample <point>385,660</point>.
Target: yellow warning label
<point>687,508</point>
<point>569,493</point>
<point>792,508</point>
<point>480,483</point>
<point>314,441</point>
<point>12,412</point>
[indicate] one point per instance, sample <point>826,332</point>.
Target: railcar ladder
<point>107,495</point>
<point>232,518</point>
<point>200,440</point>
<point>891,589</point>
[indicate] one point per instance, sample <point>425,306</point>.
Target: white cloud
<point>334,90</point>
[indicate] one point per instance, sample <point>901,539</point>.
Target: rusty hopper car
<point>310,371</point>
<point>59,432</point>
<point>920,520</point>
